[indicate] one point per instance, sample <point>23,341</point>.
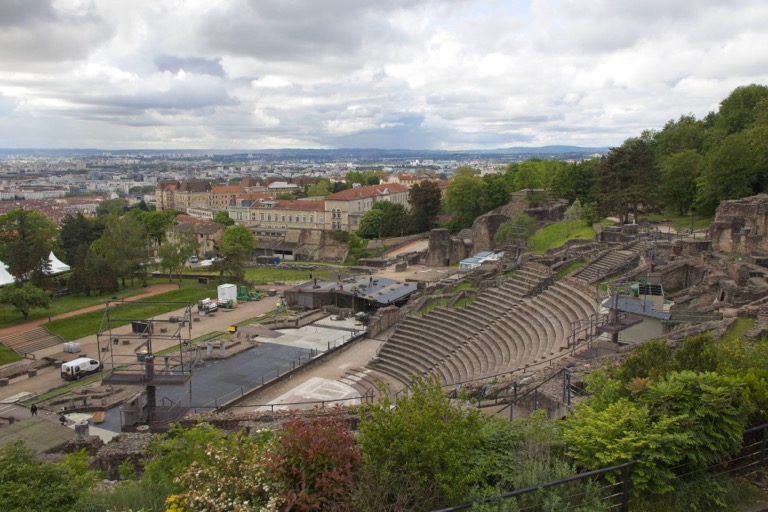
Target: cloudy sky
<point>437,74</point>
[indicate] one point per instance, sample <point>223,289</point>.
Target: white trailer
<point>227,294</point>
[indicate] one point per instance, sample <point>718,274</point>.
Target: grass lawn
<point>8,356</point>
<point>739,328</point>
<point>558,233</point>
<point>681,222</point>
<point>89,323</point>
<point>429,306</point>
<point>264,276</point>
<point>571,267</point>
<point>462,286</point>
<point>71,303</point>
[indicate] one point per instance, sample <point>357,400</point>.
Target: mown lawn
<point>8,356</point>
<point>89,323</point>
<point>557,234</point>
<point>68,303</point>
<point>265,276</point>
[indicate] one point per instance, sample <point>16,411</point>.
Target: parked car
<point>193,259</point>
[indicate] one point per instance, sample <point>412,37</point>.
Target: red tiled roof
<point>227,189</point>
<point>285,204</point>
<point>369,191</point>
<point>187,218</point>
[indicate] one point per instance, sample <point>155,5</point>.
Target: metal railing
<point>614,495</point>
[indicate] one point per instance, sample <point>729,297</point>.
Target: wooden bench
<point>98,417</point>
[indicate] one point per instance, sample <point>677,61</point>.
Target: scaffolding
<point>156,357</point>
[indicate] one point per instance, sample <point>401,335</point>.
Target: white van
<point>79,367</point>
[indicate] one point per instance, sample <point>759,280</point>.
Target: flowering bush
<point>231,478</point>
<point>314,461</point>
<point>310,464</point>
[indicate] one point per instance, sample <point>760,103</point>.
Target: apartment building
<point>346,208</point>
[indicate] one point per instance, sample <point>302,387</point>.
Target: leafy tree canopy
<point>222,217</point>
<point>26,239</point>
<point>24,298</point>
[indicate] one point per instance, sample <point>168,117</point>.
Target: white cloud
<point>393,73</point>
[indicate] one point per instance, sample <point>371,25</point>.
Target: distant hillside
<point>326,154</point>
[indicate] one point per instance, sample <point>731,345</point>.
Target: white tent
<point>57,266</point>
<point>5,277</point>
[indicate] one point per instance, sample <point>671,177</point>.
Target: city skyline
<point>400,74</point>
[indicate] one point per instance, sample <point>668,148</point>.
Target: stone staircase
<point>30,341</point>
<point>607,264</point>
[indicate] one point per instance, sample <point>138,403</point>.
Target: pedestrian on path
<point>63,419</point>
<point>33,410</point>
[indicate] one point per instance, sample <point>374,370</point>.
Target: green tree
<point>709,409</point>
<point>679,172</point>
<point>728,171</point>
<point>31,485</point>
<point>239,236</point>
<point>363,178</point>
<point>155,223</point>
<point>516,231</point>
<point>395,219</point>
<point>320,189</point>
<point>498,188</point>
<point>424,198</point>
<point>573,213</point>
<point>370,223</point>
<point>423,445</point>
<point>686,133</point>
<point>237,245</point>
<point>529,175</point>
<point>598,436</point>
<point>112,207</point>
<point>464,199</point>
<point>222,217</point>
<point>76,230</point>
<point>26,240</point>
<point>24,298</point>
<point>575,181</point>
<point>124,245</point>
<point>285,196</point>
<point>627,179</point>
<point>176,251</point>
<point>78,278</point>
<point>100,276</point>
<point>465,170</point>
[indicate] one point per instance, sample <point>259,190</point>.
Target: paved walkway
<point>149,291</point>
<point>50,378</point>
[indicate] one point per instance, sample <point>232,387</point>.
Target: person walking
<point>33,410</point>
<point>63,419</point>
